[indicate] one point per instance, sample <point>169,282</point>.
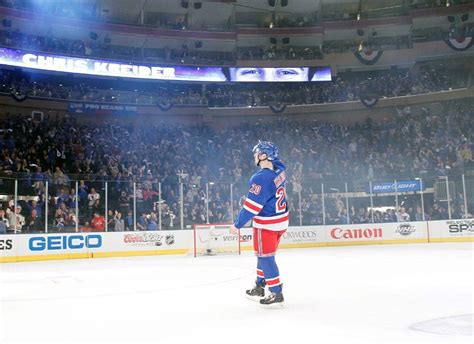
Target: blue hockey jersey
<point>266,200</point>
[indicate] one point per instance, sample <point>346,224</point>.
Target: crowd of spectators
<point>206,160</point>
<point>277,20</point>
<point>279,53</point>
<point>104,48</point>
<point>345,87</point>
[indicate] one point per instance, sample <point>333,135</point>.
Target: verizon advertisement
<point>452,230</point>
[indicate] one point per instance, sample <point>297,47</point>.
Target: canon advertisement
<point>386,232</point>
<point>58,63</point>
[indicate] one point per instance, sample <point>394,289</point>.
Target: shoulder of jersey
<point>264,174</point>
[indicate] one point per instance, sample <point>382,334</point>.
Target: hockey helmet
<point>268,148</point>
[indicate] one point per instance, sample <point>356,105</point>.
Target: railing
<point>64,205</point>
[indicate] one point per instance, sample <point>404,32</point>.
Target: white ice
<point>358,294</point>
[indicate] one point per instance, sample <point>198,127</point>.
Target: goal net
<point>215,239</point>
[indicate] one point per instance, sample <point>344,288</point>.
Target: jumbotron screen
<point>58,63</point>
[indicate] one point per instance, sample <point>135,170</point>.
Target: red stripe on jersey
<point>273,282</point>
<point>253,207</point>
<point>260,273</point>
<point>270,222</point>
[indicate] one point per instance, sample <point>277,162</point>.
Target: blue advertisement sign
<point>399,186</point>
<point>64,242</point>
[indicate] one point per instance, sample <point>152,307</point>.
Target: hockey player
<point>266,205</point>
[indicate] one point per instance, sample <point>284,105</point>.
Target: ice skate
<point>256,293</point>
<point>273,300</point>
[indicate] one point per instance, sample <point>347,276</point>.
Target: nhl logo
<point>169,239</point>
<point>405,229</point>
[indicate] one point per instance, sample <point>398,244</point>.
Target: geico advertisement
<point>71,242</point>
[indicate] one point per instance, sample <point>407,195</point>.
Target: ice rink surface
<point>419,293</point>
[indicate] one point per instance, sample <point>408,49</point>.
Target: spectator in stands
<point>3,222</point>
<point>119,223</point>
<point>60,220</point>
<point>34,223</point>
<point>98,222</point>
<point>37,207</point>
<point>402,215</point>
<point>169,217</point>
<point>152,223</point>
<point>63,198</point>
<point>71,200</point>
<point>59,178</point>
<point>38,180</point>
<point>83,193</point>
<point>128,221</point>
<point>142,222</point>
<point>124,202</point>
<point>93,201</point>
<point>110,220</point>
<point>15,219</point>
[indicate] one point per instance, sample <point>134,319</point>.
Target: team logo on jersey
<point>255,189</point>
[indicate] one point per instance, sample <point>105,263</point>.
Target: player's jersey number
<point>255,189</point>
<point>281,200</point>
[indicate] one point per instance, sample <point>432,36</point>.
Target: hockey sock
<point>271,273</point>
<point>260,275</point>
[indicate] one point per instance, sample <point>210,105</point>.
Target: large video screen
<point>57,63</point>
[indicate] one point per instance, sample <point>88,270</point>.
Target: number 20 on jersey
<point>281,201</point>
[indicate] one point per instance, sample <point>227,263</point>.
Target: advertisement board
<point>451,230</point>
<point>399,186</point>
<point>102,109</point>
<point>310,236</point>
<point>398,232</point>
<point>8,248</point>
<point>145,243</point>
<point>49,246</point>
<point>24,247</point>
